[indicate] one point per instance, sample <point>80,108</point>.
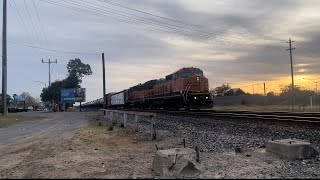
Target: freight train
<point>186,88</point>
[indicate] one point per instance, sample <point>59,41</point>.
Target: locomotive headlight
<point>198,78</point>
<point>207,97</point>
<point>195,97</point>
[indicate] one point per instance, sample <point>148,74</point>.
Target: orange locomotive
<point>187,88</point>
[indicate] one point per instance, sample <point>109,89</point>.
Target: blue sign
<point>72,95</point>
<point>19,98</point>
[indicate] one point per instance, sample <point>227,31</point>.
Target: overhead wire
<point>41,25</point>
<point>127,18</point>
<point>74,8</point>
<point>54,50</point>
<point>24,26</point>
<point>124,18</point>
<point>34,29</point>
<point>116,16</point>
<point>202,34</point>
<point>43,31</point>
<point>178,21</point>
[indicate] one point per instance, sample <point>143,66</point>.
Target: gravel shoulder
<point>93,151</point>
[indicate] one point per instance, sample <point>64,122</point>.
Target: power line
<point>300,51</point>
<point>54,50</point>
<point>44,33</point>
<point>206,34</point>
<point>173,20</point>
<point>124,18</point>
<point>24,26</point>
<point>120,17</point>
<point>131,19</point>
<point>43,30</point>
<point>34,29</point>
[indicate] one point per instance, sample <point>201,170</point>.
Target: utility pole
<point>49,62</point>
<point>252,89</point>
<point>290,49</point>
<point>264,88</point>
<point>4,58</point>
<point>104,84</point>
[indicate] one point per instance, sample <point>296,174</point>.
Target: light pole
<point>253,87</point>
<point>312,80</point>
<point>45,85</point>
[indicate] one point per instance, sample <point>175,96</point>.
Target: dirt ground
<point>96,151</point>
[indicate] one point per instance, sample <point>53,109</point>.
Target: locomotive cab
<point>195,88</point>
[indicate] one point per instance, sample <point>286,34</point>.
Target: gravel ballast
<point>216,136</point>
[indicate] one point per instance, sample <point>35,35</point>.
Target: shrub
<point>110,128</point>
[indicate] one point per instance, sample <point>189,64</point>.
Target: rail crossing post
<point>104,84</point>
<point>111,116</point>
<point>137,122</point>
<point>153,129</point>
<point>124,120</point>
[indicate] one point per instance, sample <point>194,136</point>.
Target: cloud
<point>231,41</point>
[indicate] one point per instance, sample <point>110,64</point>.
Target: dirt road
<point>67,145</point>
<point>62,122</point>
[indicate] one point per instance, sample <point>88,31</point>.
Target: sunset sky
<point>236,42</point>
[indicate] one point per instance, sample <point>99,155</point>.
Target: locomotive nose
<point>202,99</point>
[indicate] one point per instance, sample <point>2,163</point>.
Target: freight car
<point>186,88</point>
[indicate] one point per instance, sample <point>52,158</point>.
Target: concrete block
<point>292,149</point>
<point>176,162</point>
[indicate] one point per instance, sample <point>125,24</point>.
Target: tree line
<point>285,90</point>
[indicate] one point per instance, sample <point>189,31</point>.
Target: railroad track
<point>308,117</point>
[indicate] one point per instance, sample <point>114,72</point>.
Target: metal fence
<point>266,100</point>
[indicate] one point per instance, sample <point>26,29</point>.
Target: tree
<point>76,70</point>
<point>9,100</point>
<point>72,81</point>
<point>52,92</point>
<point>271,93</point>
<point>221,90</point>
<point>285,89</point>
<point>30,101</point>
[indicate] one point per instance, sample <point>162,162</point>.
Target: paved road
<point>58,122</point>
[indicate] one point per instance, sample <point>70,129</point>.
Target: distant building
<point>234,92</point>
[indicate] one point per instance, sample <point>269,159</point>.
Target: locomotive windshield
<point>192,72</point>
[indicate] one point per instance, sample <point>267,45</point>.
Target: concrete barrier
<point>176,162</point>
<point>108,114</point>
<point>291,149</point>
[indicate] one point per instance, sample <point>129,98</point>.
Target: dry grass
<point>98,133</point>
<point>11,119</point>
